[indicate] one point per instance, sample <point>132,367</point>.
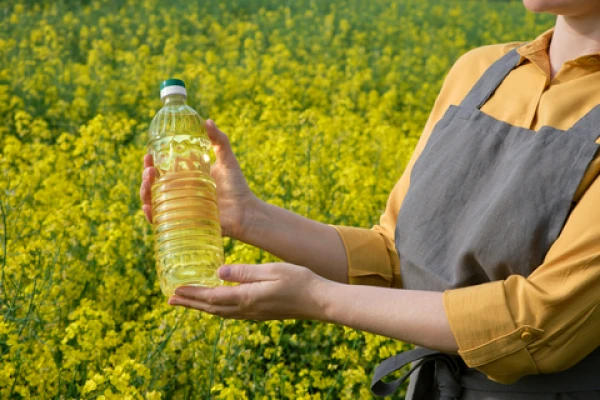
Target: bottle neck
<point>174,99</point>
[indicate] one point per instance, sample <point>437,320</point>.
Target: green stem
<point>212,363</point>
<point>267,371</point>
<point>160,347</point>
<point>5,254</point>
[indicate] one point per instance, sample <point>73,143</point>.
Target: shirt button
<point>526,336</point>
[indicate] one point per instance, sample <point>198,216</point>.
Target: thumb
<point>246,273</point>
<point>221,145</point>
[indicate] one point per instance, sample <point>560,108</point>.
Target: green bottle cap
<point>171,82</point>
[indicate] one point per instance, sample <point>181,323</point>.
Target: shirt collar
<point>536,51</point>
<point>540,44</point>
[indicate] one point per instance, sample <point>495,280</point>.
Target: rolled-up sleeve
<point>371,256</point>
<point>543,323</point>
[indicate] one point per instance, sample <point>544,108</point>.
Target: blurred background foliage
<point>323,102</point>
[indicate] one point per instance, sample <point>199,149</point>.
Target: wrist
<point>254,216</point>
<point>324,299</point>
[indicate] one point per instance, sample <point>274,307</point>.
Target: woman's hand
<point>233,194</point>
<point>266,292</point>
<point>286,291</point>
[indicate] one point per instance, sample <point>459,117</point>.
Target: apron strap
<point>491,79</point>
<point>447,372</point>
<point>589,125</point>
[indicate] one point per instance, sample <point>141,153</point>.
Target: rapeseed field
<point>323,102</point>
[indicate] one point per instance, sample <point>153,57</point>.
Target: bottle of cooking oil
<point>187,232</point>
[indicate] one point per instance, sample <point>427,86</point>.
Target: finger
<point>148,160</point>
<point>147,212</point>
<point>146,192</point>
<point>221,311</point>
<point>149,174</point>
<point>247,272</point>
<point>217,296</point>
<point>221,144</point>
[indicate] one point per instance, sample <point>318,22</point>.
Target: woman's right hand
<point>233,194</point>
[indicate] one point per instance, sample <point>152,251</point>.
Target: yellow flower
<point>89,386</point>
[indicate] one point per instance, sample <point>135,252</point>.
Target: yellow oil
<point>187,232</point>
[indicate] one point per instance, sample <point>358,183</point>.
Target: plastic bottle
<point>187,233</point>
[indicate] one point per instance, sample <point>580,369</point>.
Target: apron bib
<point>486,200</point>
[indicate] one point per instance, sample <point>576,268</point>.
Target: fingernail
<point>224,272</point>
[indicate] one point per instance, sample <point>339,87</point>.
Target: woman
<point>492,232</point>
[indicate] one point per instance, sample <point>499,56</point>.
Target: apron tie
<point>447,371</point>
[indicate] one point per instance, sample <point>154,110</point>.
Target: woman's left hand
<point>266,292</point>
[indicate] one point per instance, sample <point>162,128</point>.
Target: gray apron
<point>486,201</point>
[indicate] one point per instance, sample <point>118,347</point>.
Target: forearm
<point>296,240</point>
<point>412,316</point>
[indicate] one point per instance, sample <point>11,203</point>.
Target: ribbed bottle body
<point>187,232</point>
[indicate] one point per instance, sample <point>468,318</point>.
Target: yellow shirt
<point>550,320</point>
